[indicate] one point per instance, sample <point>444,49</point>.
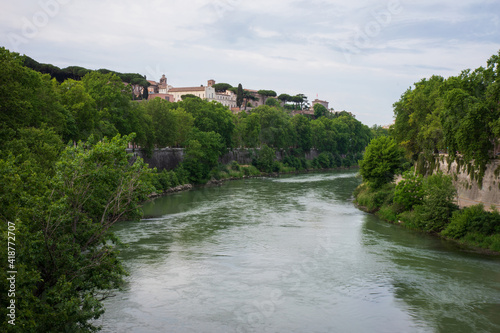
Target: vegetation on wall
<point>459,117</point>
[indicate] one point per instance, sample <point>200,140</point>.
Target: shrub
<point>374,199</point>
<point>382,160</point>
<point>235,166</point>
<point>409,191</point>
<point>389,213</point>
<point>325,160</point>
<point>438,204</point>
<point>473,219</point>
<point>265,160</point>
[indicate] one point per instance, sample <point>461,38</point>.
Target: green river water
<point>293,254</point>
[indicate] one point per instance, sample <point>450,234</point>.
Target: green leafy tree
<point>438,203</point>
<point>81,105</point>
<point>300,100</point>
<point>285,98</point>
<point>275,127</point>
<point>184,122</point>
<point>265,161</point>
<point>164,122</point>
<point>325,135</point>
<point>112,100</point>
<point>222,87</point>
<point>202,154</point>
<point>248,130</point>
<point>239,96</point>
<point>211,116</point>
<point>248,97</point>
<point>303,132</point>
<point>409,191</point>
<point>272,102</point>
<point>320,110</point>
<point>381,161</point>
<point>267,94</point>
<point>185,97</point>
<point>67,263</point>
<point>28,98</point>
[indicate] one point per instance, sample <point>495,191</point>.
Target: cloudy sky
<point>359,55</point>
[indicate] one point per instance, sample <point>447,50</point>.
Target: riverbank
<point>233,171</point>
<point>473,228</point>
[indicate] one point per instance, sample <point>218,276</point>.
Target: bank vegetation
<point>457,117</point>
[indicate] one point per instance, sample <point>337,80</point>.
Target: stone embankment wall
<point>170,158</point>
<point>165,158</point>
<point>469,192</point>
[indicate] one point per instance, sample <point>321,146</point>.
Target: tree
<point>186,96</point>
<point>247,97</point>
<point>438,203</point>
<point>239,96</point>
<point>320,110</point>
<point>247,130</point>
<point>211,116</point>
<point>272,102</point>
<point>112,100</point>
<point>265,161</point>
<point>185,123</point>
<point>285,98</point>
<point>74,97</point>
<point>67,261</point>
<point>222,87</point>
<point>409,191</point>
<point>164,122</point>
<point>382,160</point>
<point>28,98</point>
<point>303,132</point>
<point>202,154</point>
<point>301,100</point>
<point>298,102</point>
<point>267,94</point>
<point>275,127</point>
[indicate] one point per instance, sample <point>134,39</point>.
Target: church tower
<point>163,87</point>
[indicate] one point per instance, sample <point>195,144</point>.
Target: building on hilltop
<point>203,92</point>
<point>226,98</point>
<point>159,89</point>
<point>317,101</point>
<point>259,99</point>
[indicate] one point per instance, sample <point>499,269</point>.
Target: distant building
<point>160,90</point>
<point>227,98</point>
<point>317,101</point>
<point>260,99</point>
<point>167,97</point>
<point>203,92</point>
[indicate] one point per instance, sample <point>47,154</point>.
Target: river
<point>293,254</point>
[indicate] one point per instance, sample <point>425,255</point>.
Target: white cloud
<point>289,46</point>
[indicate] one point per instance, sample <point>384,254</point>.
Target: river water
<point>293,254</point>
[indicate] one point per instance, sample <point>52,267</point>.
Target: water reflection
<point>293,254</point>
<point>448,289</point>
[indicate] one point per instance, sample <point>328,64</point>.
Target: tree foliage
<point>382,160</point>
<point>458,116</point>
<point>202,154</point>
<point>438,203</point>
<point>67,263</point>
<point>409,191</point>
<point>320,110</point>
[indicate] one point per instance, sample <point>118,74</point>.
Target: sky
<point>358,55</point>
